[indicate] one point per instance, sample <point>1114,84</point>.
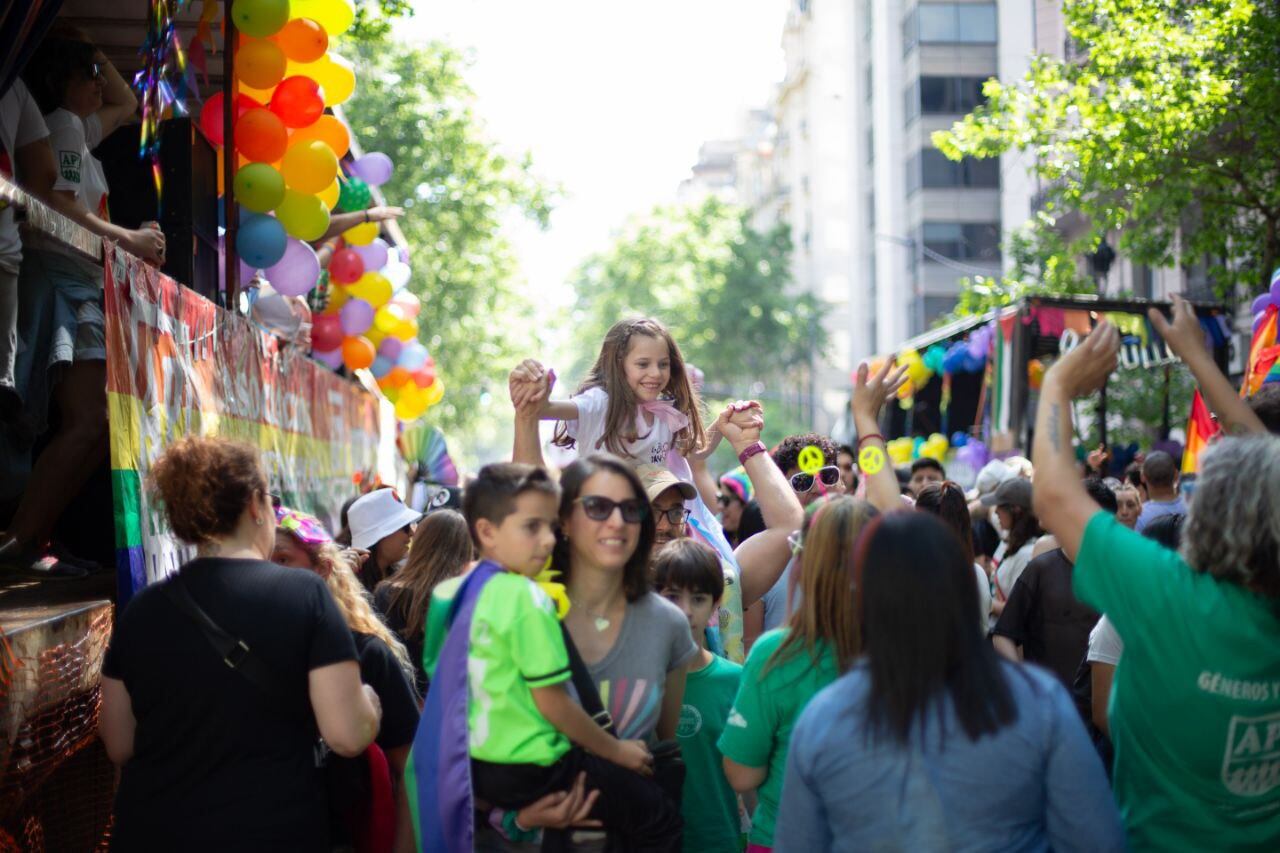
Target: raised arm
<point>869,396</point>
<point>1060,500</point>
<point>340,222</point>
<point>763,557</point>
<point>525,380</point>
<point>528,397</point>
<point>119,103</point>
<point>1185,337</point>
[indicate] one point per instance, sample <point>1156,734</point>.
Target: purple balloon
<point>390,348</point>
<point>1275,287</point>
<point>374,255</point>
<point>374,168</point>
<point>356,317</point>
<point>332,358</point>
<point>246,273</point>
<point>1261,303</point>
<point>297,272</point>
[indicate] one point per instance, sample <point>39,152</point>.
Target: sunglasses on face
<point>94,71</point>
<point>599,508</point>
<point>724,500</point>
<point>674,516</point>
<point>802,482</point>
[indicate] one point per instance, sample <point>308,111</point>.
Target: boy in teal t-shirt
<point>688,574</point>
<point>527,737</point>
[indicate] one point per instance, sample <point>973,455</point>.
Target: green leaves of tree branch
<point>457,189</point>
<point>1166,130</point>
<point>721,287</point>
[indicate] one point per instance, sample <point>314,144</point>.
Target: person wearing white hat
<point>381,524</point>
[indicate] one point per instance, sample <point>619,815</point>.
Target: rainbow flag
<point>1262,355</point>
<point>1201,429</point>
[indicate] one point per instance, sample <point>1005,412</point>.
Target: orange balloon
<point>358,353</point>
<point>303,40</point>
<point>328,129</point>
<point>261,136</point>
<point>260,63</point>
<point>397,376</point>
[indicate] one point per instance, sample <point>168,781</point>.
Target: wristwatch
<point>750,450</point>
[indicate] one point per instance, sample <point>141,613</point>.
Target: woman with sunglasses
<point>381,524</point>
<point>62,365</point>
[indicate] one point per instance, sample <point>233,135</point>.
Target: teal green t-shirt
<point>1195,705</point>
<point>711,819</point>
<point>769,700</point>
<point>516,645</point>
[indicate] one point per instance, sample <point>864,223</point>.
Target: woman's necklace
<point>600,620</point>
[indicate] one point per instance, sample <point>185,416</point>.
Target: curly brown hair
<point>205,485</point>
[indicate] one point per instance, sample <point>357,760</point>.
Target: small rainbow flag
<point>1201,429</point>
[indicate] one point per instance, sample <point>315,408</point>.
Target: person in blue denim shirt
<point>931,742</point>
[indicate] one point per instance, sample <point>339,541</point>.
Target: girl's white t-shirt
<point>72,140</point>
<point>588,430</point>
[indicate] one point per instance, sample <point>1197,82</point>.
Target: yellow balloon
<point>336,16</point>
<point>375,337</point>
<point>262,96</point>
<point>329,195</point>
<point>373,288</point>
<point>362,234</point>
<point>388,319</point>
<point>406,331</point>
<point>900,450</point>
<point>434,392</point>
<point>302,215</point>
<point>338,297</point>
<point>337,77</point>
<point>392,394</point>
<point>309,167</point>
<point>408,409</point>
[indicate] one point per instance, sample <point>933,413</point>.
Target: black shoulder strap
<point>588,695</point>
<point>234,652</point>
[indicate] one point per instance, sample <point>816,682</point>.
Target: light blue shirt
<point>1035,785</point>
<point>1151,510</point>
<point>776,607</point>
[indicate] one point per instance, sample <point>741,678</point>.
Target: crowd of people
<point>1046,661</point>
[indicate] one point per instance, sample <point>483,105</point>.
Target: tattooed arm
<point>1061,502</point>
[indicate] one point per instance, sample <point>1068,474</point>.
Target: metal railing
<point>35,214</point>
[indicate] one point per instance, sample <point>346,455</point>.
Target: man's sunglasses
<point>599,508</point>
<point>802,482</point>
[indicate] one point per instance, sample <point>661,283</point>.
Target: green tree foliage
<point>413,103</point>
<point>720,286</point>
<point>1042,264</point>
<point>374,18</point>
<point>1165,130</point>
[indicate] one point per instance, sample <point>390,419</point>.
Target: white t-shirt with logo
<point>73,138</point>
<point>20,125</point>
<point>588,431</point>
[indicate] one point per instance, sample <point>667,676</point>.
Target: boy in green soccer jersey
<point>687,573</point>
<point>527,737</point>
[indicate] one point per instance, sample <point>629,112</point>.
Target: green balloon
<point>353,195</point>
<point>259,187</point>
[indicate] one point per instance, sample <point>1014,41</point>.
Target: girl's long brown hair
<point>826,612</point>
<point>610,374</point>
<point>440,550</point>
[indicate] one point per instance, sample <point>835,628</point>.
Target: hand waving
<point>1085,369</point>
<point>871,392</point>
<point>1184,335</point>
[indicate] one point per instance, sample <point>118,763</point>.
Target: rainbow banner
<point>1201,430</point>
<point>179,365</point>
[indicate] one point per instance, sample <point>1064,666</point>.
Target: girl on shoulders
<point>638,401</point>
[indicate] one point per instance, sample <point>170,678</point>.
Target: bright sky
<point>612,98</point>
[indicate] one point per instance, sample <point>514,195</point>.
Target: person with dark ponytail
<point>931,741</point>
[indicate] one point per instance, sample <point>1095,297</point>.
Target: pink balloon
<point>409,302</point>
<point>331,358</point>
<point>356,316</point>
<point>390,348</point>
<point>297,272</point>
<point>374,255</point>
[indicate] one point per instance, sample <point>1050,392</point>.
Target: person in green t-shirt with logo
<point>788,666</point>
<point>687,573</point>
<point>1195,705</point>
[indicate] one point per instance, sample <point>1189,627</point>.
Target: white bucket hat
<point>376,516</point>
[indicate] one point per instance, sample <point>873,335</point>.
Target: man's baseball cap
<point>658,478</point>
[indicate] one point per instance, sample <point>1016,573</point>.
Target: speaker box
<point>189,213</point>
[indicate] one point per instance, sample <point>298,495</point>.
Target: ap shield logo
<point>1251,762</point>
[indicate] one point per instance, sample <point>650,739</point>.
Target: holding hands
<point>530,384</point>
